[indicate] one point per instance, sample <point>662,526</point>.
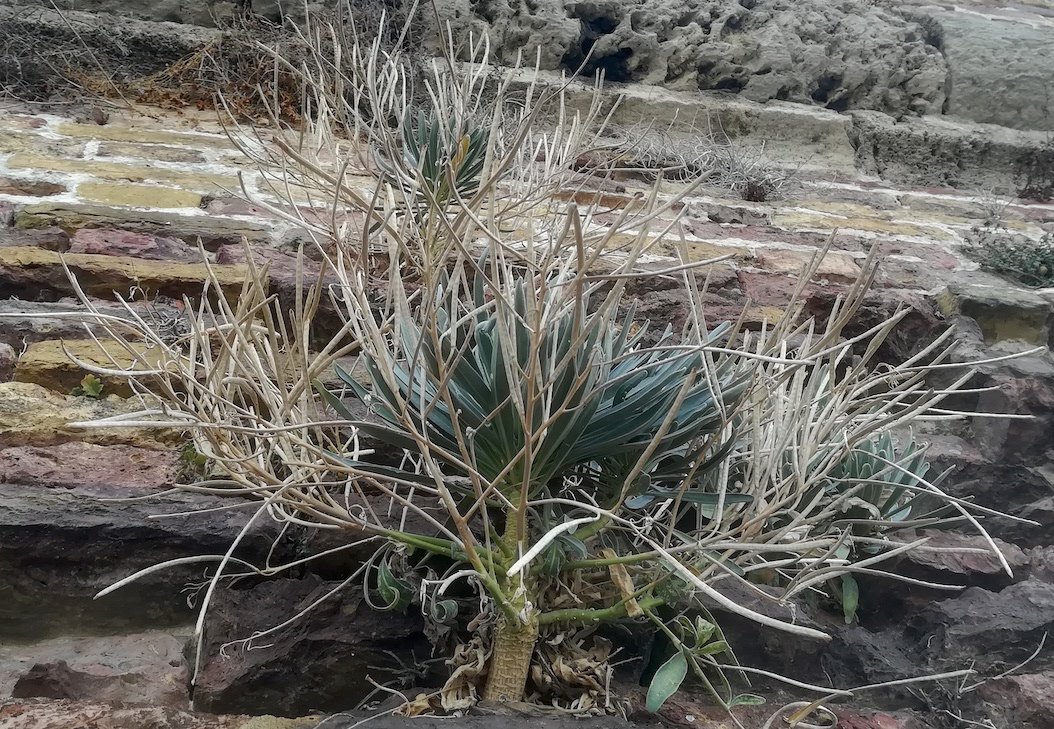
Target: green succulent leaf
<point>395,593</point>
<point>444,611</point>
<point>91,386</point>
<point>746,700</point>
<point>667,681</point>
<point>850,597</point>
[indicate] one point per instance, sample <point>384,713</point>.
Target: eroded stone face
<point>844,55</point>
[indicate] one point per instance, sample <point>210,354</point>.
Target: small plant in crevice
<point>752,175</point>
<point>652,153</point>
<point>993,208</point>
<point>441,159</point>
<point>90,386</point>
<point>882,487</point>
<point>1013,255</point>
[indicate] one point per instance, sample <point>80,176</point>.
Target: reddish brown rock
<point>29,188</point>
<point>1025,701</point>
<point>282,277</point>
<point>281,267</point>
<point>771,289</point>
<point>964,568</point>
<point>50,239</point>
<point>113,242</point>
<point>94,467</point>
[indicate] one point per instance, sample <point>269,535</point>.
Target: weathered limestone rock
<point>938,151</point>
<point>844,55</point>
<point>48,364</point>
<point>33,415</point>
<point>122,44</point>
<point>999,69</point>
<point>145,669</point>
<point>145,196</point>
<point>64,537</point>
<point>1003,311</point>
<point>35,274</point>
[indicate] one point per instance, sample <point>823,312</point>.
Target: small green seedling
<point>91,386</point>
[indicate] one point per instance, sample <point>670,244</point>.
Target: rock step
<point>32,273</point>
<point>63,538</point>
<point>48,364</point>
<point>136,669</point>
<point>32,415</point>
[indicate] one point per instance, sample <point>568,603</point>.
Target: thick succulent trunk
<point>510,659</point>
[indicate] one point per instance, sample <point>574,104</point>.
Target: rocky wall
<point>125,203</point>
<point>979,60</point>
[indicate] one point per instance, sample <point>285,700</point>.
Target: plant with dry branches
<point>560,470</point>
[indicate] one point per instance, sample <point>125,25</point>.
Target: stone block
<point>114,242</point>
<point>1002,310</point>
<point>160,152</point>
<point>816,221</point>
<point>138,196</point>
<point>49,239</point>
<point>50,363</point>
<point>32,273</point>
<point>26,322</point>
<point>29,188</point>
<point>72,527</point>
<point>212,231</point>
<point>205,181</point>
<point>117,133</point>
<point>834,265</point>
<point>17,142</point>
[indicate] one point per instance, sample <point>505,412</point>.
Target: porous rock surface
<point>842,55</point>
<point>978,60</point>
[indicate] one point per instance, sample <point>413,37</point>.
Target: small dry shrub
<point>1018,257</point>
<point>746,170</point>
